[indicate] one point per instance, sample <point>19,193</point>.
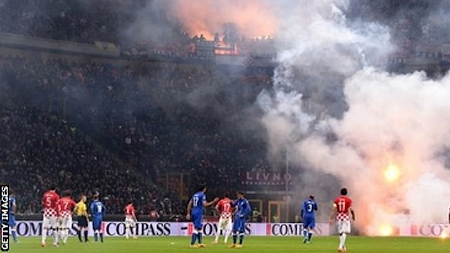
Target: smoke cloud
<point>335,111</point>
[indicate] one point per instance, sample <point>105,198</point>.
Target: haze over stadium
<point>332,110</point>
<point>390,132</point>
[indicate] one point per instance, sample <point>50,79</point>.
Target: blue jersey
<point>12,203</point>
<point>243,208</point>
<point>308,208</point>
<point>97,209</point>
<point>197,202</point>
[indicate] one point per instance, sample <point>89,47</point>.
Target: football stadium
<point>223,125</point>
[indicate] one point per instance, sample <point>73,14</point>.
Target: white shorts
<point>65,222</point>
<point>129,222</point>
<point>225,223</point>
<point>50,222</point>
<point>344,226</point>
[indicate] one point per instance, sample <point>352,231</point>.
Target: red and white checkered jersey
<point>65,207</point>
<point>343,205</point>
<point>50,203</point>
<point>129,211</point>
<point>224,207</point>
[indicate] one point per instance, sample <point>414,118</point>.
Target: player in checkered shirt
<point>342,206</point>
<point>50,220</point>
<point>65,207</point>
<point>225,224</point>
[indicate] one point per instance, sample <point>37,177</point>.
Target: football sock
<point>342,240</point>
<point>217,235</point>
<point>305,233</point>
<point>241,238</point>
<point>101,236</point>
<point>65,235</point>
<point>95,235</point>
<point>234,238</point>
<point>127,231</point>
<point>85,235</point>
<point>310,236</point>
<point>227,233</point>
<point>79,234</point>
<point>44,234</point>
<point>55,236</point>
<point>14,235</point>
<point>194,237</point>
<point>199,236</point>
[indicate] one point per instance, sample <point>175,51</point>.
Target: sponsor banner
<point>430,230</point>
<point>295,229</point>
<point>211,228</point>
<point>266,178</point>
<point>34,228</point>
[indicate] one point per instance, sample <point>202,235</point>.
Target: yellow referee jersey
<point>81,208</point>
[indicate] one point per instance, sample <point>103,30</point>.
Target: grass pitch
<point>251,244</point>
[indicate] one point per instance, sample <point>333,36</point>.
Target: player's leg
<point>311,227</point>
<point>219,229</point>
<point>127,228</point>
<point>235,230</point>
<point>241,231</point>
<point>306,224</point>
<point>228,228</point>
<point>195,221</point>
<point>12,225</point>
<point>45,227</point>
<point>101,229</point>
<point>55,229</point>
<point>86,229</point>
<point>64,228</point>
<point>134,231</point>
<point>343,229</point>
<point>95,227</point>
<point>199,227</point>
<point>80,227</point>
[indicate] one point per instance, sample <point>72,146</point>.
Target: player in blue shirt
<point>243,210</point>
<point>98,210</point>
<point>195,212</point>
<point>12,217</point>
<point>307,213</point>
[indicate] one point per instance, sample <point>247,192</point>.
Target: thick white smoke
<point>390,138</point>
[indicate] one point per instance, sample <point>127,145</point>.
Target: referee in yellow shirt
<point>82,218</point>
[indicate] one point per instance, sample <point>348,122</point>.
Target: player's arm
<point>103,209</point>
<point>352,213</point>
<point>449,215</point>
<point>133,214</point>
<point>189,207</point>
<point>14,206</point>
<point>206,204</point>
<point>85,213</point>
<point>333,212</point>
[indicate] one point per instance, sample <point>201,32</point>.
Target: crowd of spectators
<point>119,128</point>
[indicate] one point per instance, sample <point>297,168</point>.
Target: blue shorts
<point>309,222</point>
<point>97,223</point>
<point>12,220</point>
<point>197,220</point>
<point>239,225</point>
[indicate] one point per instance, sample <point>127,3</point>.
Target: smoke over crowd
<point>332,110</point>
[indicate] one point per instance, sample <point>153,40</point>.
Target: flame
<point>443,235</point>
<point>392,173</point>
<point>385,230</point>
<point>252,17</point>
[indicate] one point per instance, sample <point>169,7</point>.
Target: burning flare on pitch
<point>392,173</point>
<point>385,230</point>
